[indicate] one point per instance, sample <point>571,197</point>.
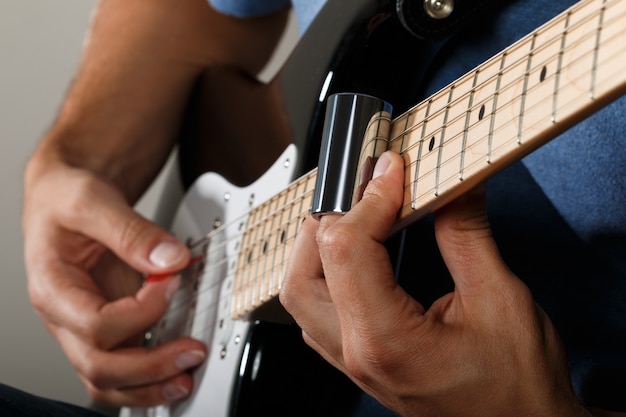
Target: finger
<point>382,198</point>
<point>176,388</point>
<point>146,374</point>
<point>356,263</point>
<point>466,243</point>
<point>305,296</point>
<point>99,211</point>
<point>102,323</point>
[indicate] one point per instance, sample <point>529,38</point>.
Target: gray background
<point>40,45</point>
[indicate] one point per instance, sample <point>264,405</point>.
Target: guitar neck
<point>484,121</point>
<point>511,104</point>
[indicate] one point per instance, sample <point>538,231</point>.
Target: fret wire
<point>525,88</point>
<point>266,250</point>
<point>408,121</point>
<point>421,146</point>
<point>468,115</point>
<point>596,50</point>
<point>377,136</point>
<point>285,230</point>
<point>442,139</point>
<point>277,244</point>
<point>557,79</point>
<point>237,302</point>
<point>255,251</point>
<point>263,254</point>
<point>249,252</point>
<point>284,234</point>
<point>494,107</point>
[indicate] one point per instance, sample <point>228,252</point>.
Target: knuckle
<point>131,231</point>
<point>91,331</point>
<point>158,369</point>
<point>284,296</point>
<point>97,396</point>
<point>373,361</point>
<point>337,242</point>
<point>287,295</point>
<point>77,199</point>
<point>93,373</point>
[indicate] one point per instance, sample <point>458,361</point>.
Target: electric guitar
<point>242,237</point>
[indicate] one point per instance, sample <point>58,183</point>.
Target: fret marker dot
<point>542,76</point>
<point>431,144</point>
<point>481,112</point>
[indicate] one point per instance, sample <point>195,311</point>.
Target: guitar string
<point>462,115</point>
<point>436,132</point>
<point>463,78</point>
<point>454,158</point>
<point>512,138</point>
<point>301,214</point>
<point>221,229</point>
<point>419,124</point>
<point>548,79</point>
<point>302,181</point>
<point>261,220</point>
<point>537,66</point>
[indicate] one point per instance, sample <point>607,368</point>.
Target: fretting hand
<point>484,349</point>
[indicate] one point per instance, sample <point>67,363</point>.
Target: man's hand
<point>85,251</point>
<point>85,248</point>
<point>484,349</point>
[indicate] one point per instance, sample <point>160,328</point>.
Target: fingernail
<point>173,392</point>
<point>186,360</point>
<point>167,254</point>
<point>381,165</point>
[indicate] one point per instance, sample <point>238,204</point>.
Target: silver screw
<point>439,9</point>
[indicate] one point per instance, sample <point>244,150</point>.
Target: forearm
<point>122,113</point>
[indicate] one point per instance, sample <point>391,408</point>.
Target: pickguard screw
<point>438,9</point>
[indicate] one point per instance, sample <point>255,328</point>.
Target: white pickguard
<point>209,202</point>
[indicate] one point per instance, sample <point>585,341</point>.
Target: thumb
<point>466,243</point>
<point>106,217</point>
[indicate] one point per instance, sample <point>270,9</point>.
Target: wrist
<point>118,157</point>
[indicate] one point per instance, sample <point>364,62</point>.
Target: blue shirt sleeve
<point>247,8</point>
<point>305,10</point>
